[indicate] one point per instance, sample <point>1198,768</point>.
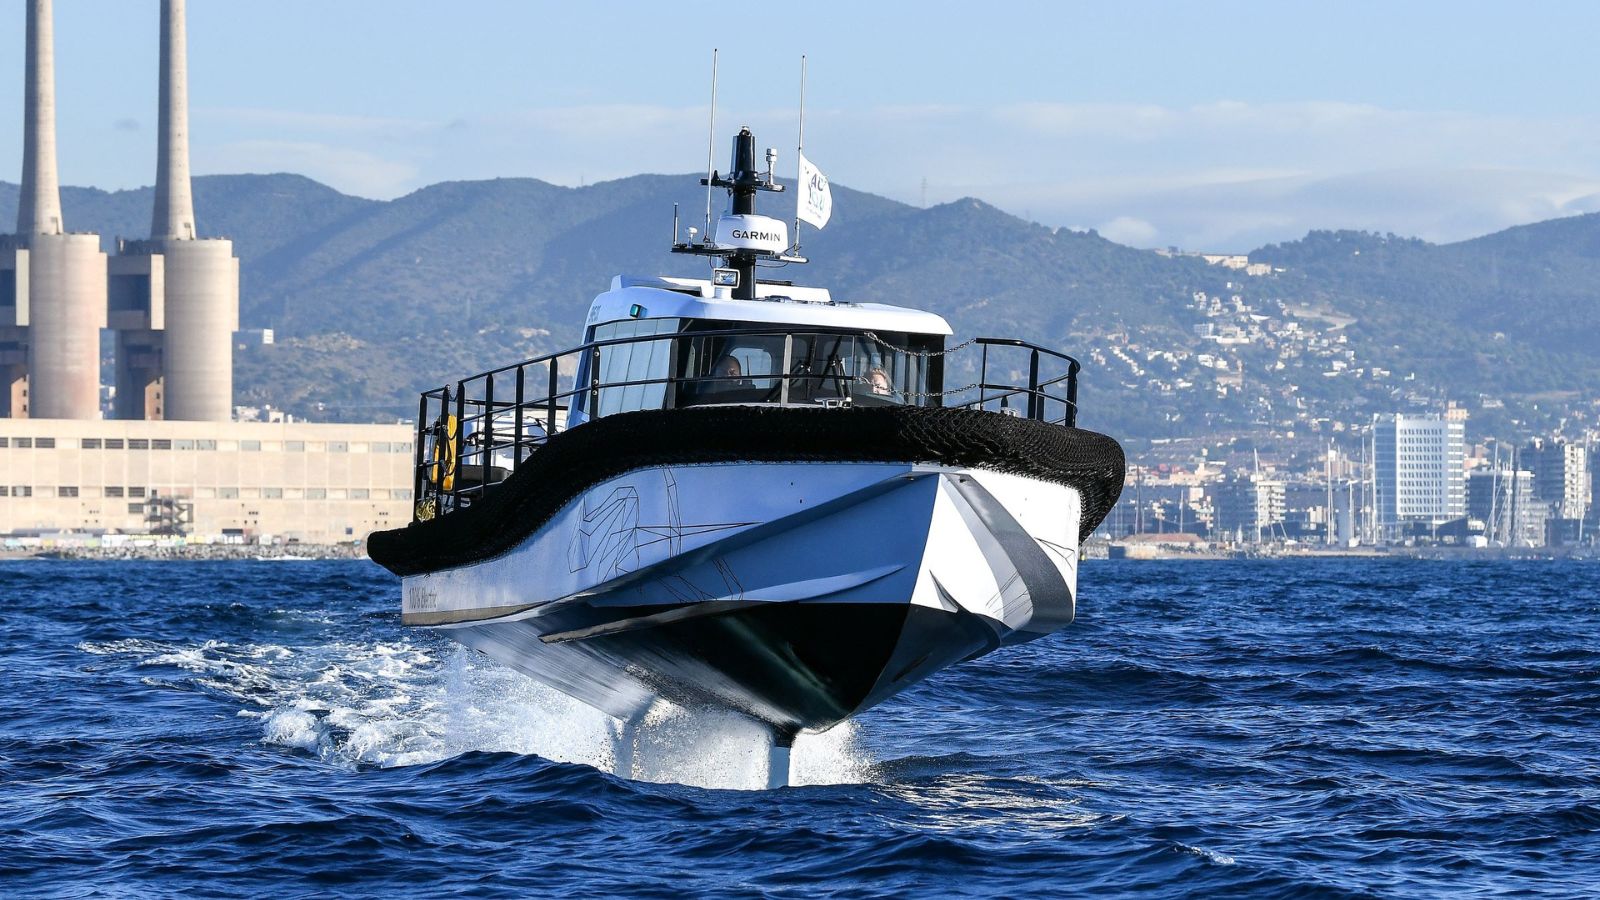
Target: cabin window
<point>615,368</point>
<point>822,366</point>
<point>737,364</point>
<point>733,369</point>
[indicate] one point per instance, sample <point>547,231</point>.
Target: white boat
<point>751,495</point>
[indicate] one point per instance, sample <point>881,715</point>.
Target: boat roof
<point>776,304</point>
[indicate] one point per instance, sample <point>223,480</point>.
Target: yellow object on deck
<point>443,471</point>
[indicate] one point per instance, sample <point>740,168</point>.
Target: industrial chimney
<point>52,283</point>
<point>39,209</point>
<point>174,212</point>
<point>174,299</point>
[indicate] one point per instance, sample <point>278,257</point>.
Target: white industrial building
<point>253,481</point>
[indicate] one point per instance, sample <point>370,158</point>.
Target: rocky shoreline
<point>126,552</point>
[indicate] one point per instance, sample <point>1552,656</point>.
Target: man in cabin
<point>726,376</point>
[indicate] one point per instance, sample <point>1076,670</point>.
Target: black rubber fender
<point>576,460</point>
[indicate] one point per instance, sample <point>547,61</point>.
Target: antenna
<point>799,148</point>
<point>711,139</point>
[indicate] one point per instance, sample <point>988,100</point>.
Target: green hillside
<point>373,301</point>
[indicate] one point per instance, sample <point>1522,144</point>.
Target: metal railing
<point>475,433</point>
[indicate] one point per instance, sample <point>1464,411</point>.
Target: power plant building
<point>253,481</point>
<point>171,461</point>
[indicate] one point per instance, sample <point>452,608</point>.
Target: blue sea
<point>1219,729</point>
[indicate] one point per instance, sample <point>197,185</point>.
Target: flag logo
<point>813,200</point>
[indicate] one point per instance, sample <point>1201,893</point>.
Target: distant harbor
<point>1159,547</point>
<point>1406,480</point>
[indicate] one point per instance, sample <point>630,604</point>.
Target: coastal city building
<point>1314,492</point>
<point>1420,476</point>
<point>1561,479</point>
<point>1592,520</point>
<point>1248,507</point>
<point>1505,503</point>
<point>1306,515</point>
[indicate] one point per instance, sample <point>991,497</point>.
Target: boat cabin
<point>667,343</point>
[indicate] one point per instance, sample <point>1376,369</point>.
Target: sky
<point>1218,126</point>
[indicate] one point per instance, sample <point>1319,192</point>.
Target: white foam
<point>492,708</point>
<point>398,704</point>
<point>294,728</point>
<point>1211,856</point>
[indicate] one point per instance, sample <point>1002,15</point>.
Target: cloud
<point>1230,176</point>
<point>1128,230</point>
<point>351,170</point>
<point>311,122</point>
<point>1224,175</point>
<point>1235,216</point>
<point>126,125</point>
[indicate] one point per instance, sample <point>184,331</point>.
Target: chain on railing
<point>918,354</point>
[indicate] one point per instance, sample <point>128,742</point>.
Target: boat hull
<point>796,593</point>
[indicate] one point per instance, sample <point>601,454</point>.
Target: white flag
<point>813,202</point>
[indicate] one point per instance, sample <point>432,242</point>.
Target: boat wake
<point>400,703</point>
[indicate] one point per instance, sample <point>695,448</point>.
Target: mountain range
<point>372,301</point>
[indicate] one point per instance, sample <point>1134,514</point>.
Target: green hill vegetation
<point>372,301</point>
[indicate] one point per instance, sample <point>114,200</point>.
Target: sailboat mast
<point>1494,495</point>
<point>1328,474</point>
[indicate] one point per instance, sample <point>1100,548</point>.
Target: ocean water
<point>1318,728</point>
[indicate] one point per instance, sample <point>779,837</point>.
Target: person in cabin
<point>726,376</point>
<point>878,381</point>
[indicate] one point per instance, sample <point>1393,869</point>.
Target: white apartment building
<point>1420,471</point>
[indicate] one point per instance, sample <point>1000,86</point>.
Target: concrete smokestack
<point>39,211</point>
<point>58,279</point>
<point>174,212</point>
<point>175,297</point>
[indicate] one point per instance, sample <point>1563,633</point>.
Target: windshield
<point>822,367</point>
<point>748,364</point>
